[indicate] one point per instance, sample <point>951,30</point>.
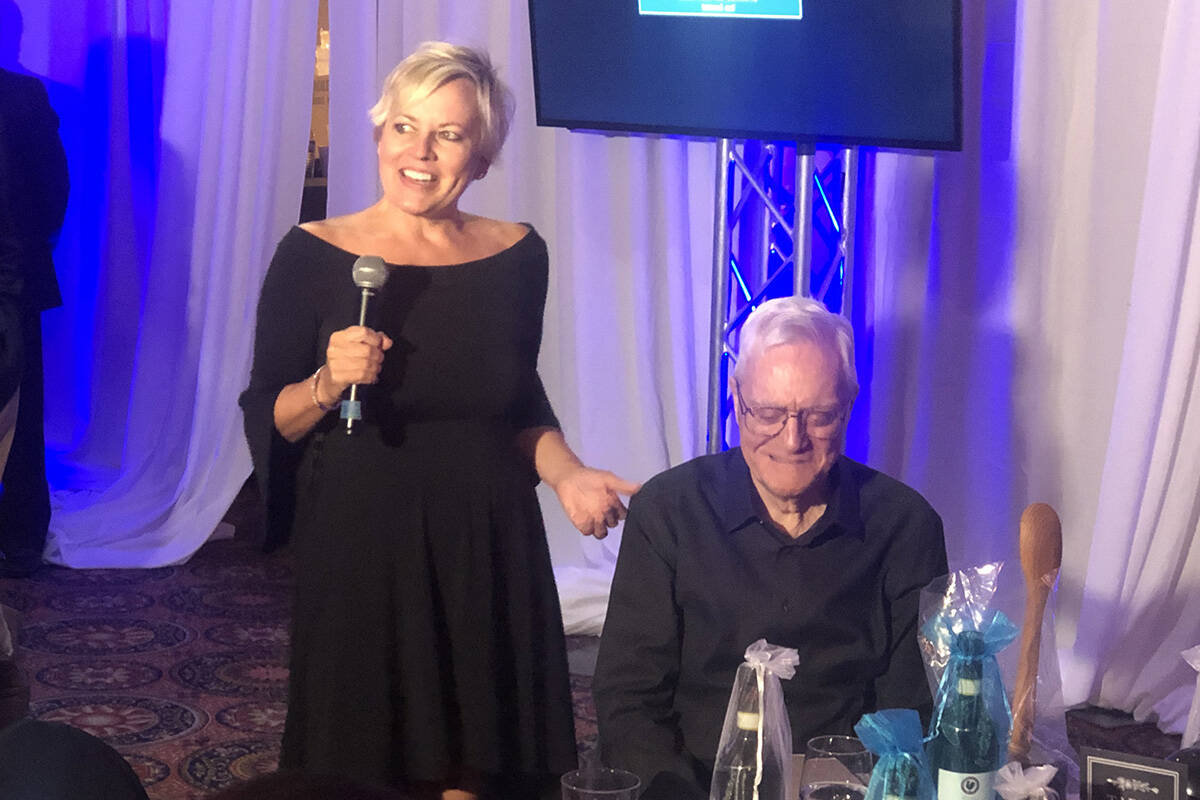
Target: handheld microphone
<point>370,274</point>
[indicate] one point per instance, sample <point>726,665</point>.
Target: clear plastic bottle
<point>733,778</point>
<point>737,766</point>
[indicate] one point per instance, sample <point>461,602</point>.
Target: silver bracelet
<point>313,390</point>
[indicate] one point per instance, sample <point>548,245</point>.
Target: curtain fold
<point>223,148</point>
<point>366,41</point>
<point>1034,327</point>
<point>1142,592</point>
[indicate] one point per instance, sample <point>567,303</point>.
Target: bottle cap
<point>970,643</point>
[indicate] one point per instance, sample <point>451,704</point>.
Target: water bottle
<point>735,776</point>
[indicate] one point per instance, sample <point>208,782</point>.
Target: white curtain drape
<point>204,109</point>
<point>1034,326</point>
<point>628,221</point>
<point>1145,561</point>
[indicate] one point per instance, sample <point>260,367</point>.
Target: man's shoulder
<point>681,507</point>
<point>17,86</point>
<point>872,482</point>
<point>881,495</point>
<point>16,77</point>
<point>700,474</point>
<point>25,111</point>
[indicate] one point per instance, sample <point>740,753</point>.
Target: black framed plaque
<point>1108,775</point>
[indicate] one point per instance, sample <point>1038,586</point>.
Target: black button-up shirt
<point>700,577</point>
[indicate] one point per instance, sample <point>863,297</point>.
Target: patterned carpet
<point>182,669</point>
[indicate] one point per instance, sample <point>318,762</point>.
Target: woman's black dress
<point>427,633</point>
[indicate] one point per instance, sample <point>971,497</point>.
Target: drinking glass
<point>835,768</point>
<point>600,783</point>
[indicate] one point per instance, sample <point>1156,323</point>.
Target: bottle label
<point>965,785</point>
<point>747,721</point>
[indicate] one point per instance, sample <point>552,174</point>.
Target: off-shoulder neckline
<point>530,233</point>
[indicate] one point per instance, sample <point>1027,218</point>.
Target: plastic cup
<point>600,783</point>
<point>835,768</point>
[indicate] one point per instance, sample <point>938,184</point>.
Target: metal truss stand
<point>776,233</point>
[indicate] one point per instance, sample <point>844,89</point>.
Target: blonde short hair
<point>787,320</point>
<point>434,64</point>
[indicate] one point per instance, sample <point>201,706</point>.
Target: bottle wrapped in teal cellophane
<point>901,770</point>
<point>754,757</point>
<point>968,735</point>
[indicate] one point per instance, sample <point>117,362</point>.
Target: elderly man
<point>783,538</point>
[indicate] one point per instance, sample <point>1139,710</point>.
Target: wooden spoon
<point>1041,557</point>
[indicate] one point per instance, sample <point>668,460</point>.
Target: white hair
<point>430,67</point>
<point>787,320</point>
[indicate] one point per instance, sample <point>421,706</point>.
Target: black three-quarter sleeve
<point>533,409</point>
<point>285,351</point>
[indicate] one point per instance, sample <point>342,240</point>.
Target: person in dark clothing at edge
<point>783,538</point>
<point>33,201</point>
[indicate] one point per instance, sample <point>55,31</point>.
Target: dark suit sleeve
<point>918,555</point>
<point>12,284</point>
<point>33,188</point>
<point>11,180</point>
<point>638,666</point>
<point>52,186</point>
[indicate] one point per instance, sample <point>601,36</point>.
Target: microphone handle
<point>352,409</point>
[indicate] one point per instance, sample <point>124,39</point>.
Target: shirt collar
<point>736,507</point>
<point>735,492</point>
<point>842,515</point>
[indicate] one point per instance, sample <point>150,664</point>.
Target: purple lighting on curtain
<point>104,73</point>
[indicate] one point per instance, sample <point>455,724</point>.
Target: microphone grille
<point>370,272</point>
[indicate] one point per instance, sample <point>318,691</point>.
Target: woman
<point>427,647</point>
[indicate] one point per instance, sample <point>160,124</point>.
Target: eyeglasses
<point>819,423</point>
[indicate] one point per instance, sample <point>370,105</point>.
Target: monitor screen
<point>869,72</point>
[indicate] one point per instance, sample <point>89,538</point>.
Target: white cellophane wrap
<point>1015,783</point>
<point>761,672</point>
<point>1191,730</point>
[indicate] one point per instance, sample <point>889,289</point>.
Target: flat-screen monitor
<point>868,72</point>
